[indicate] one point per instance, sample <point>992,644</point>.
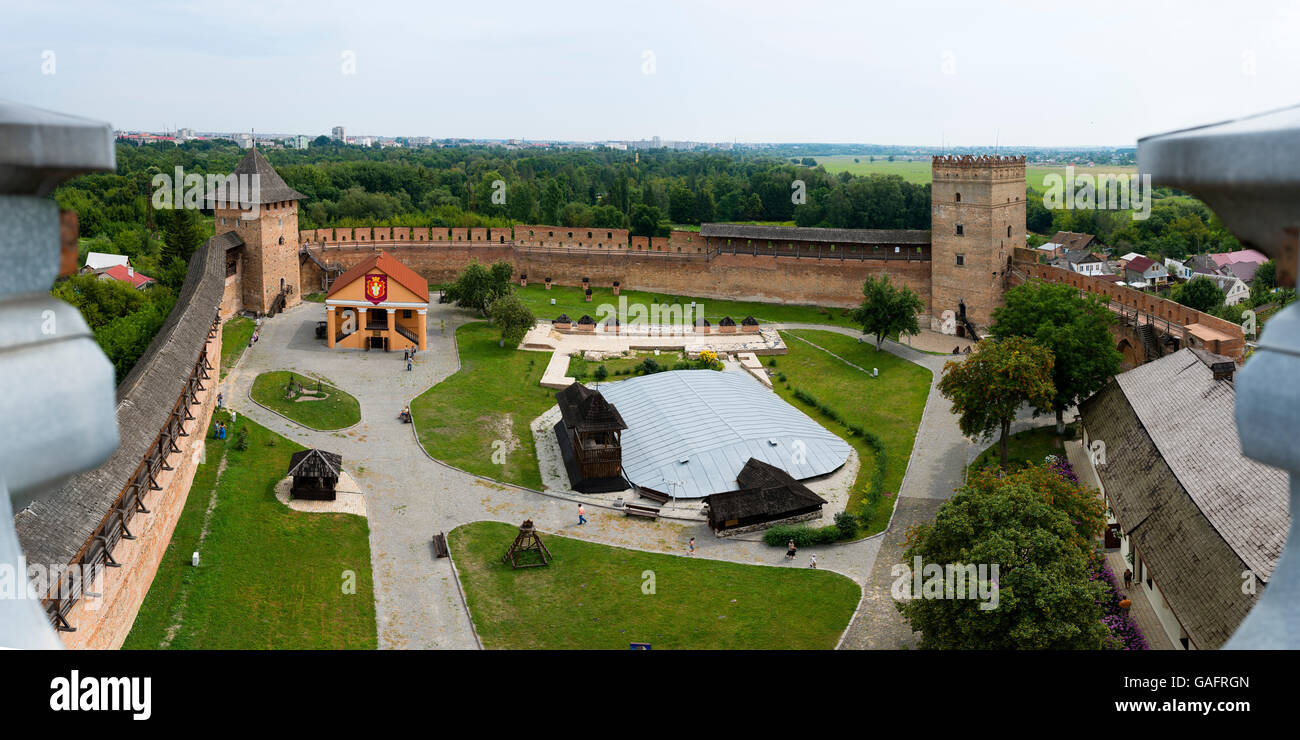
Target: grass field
<point>269,577</point>
<point>235,334</point>
<point>338,409</point>
<point>591,597</point>
<point>889,406</point>
<point>494,396</point>
<point>1025,448</point>
<point>570,301</point>
<point>919,171</point>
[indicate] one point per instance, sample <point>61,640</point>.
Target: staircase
<point>1150,346</point>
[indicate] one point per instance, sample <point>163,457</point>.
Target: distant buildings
<point>115,267</point>
<point>338,134</point>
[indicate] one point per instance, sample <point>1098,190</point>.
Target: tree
<point>886,310</point>
<point>1199,293</point>
<point>512,317</point>
<point>1038,529</point>
<point>1266,275</point>
<point>645,220</point>
<point>1075,328</point>
<point>477,286</point>
<point>991,385</point>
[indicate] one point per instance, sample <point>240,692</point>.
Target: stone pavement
<point>411,497</point>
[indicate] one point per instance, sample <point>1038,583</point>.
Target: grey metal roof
<point>715,421</point>
<point>809,234</point>
<point>1189,416</point>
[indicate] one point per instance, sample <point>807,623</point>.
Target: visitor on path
<point>408,364</point>
<point>405,415</point>
<point>790,550</point>
<point>582,515</point>
<point>1125,604</point>
<point>812,561</point>
<point>690,547</point>
<point>1128,578</point>
<point>220,401</point>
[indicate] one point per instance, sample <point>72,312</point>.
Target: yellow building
<point>378,304</point>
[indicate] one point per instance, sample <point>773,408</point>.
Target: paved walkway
<point>411,497</point>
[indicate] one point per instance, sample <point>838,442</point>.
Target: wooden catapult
<point>525,542</point>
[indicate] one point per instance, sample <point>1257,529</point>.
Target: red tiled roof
<point>121,272</point>
<point>391,266</point>
<point>1139,264</point>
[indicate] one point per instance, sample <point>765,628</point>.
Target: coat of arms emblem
<point>376,288</point>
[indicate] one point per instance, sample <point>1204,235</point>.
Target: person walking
<point>408,364</point>
<point>1128,578</point>
<point>582,515</point>
<point>1125,604</point>
<point>790,550</point>
<point>812,561</point>
<point>220,401</point>
<point>690,547</point>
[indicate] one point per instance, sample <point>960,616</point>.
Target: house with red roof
<point>1142,272</point>
<point>126,274</point>
<point>379,303</point>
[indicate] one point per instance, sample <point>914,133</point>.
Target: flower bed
<point>1127,634</point>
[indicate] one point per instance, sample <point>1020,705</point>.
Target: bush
<point>241,439</point>
<point>847,524</point>
<point>779,535</point>
<point>601,373</point>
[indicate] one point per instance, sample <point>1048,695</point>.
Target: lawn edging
<point>360,418</point>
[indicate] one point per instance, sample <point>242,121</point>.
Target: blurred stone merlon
<point>40,149</point>
<point>1248,171</point>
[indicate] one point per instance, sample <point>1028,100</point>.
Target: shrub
<point>779,535</point>
<point>847,524</point>
<point>601,373</point>
<point>241,439</point>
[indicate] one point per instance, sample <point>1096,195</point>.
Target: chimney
<point>1223,370</point>
<point>130,271</point>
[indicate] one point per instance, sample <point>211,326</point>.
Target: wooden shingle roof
<point>766,491</point>
<point>316,464</point>
<point>586,410</point>
<point>883,237</point>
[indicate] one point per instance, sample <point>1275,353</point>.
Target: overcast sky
<point>1019,73</point>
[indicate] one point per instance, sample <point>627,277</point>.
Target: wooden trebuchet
<point>527,541</point>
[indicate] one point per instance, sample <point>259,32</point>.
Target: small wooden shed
<point>315,474</point>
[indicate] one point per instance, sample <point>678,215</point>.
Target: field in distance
<point>918,170</point>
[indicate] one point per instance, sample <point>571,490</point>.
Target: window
<point>958,198</point>
<point>961,260</point>
<point>1008,231</point>
<point>406,313</point>
<point>960,229</point>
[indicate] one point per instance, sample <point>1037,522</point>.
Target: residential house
<point>1200,524</point>
<point>96,261</point>
<point>1084,262</point>
<point>126,274</point>
<point>1178,270</point>
<point>1235,290</point>
<point>1141,272</point>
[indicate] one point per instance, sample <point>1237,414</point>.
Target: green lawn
<point>493,398</point>
<point>269,577</point>
<point>582,369</point>
<point>1025,448</point>
<point>235,334</point>
<point>336,410</point>
<point>590,598</point>
<point>570,301</point>
<point>314,297</point>
<point>889,406</point>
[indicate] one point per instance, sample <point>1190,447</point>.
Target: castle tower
<point>267,266</point>
<point>977,218</point>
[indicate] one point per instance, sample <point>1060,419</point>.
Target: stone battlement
<point>971,160</point>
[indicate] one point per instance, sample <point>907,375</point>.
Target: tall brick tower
<point>268,264</point>
<point>977,216</point>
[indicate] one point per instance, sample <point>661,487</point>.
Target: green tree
<point>1038,529</point>
<point>1074,327</point>
<point>512,317</point>
<point>1266,275</point>
<point>478,285</point>
<point>645,220</point>
<point>887,310</point>
<point>990,386</point>
<point>1200,293</point>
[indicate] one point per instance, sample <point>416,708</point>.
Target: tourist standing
<point>812,561</point>
<point>690,547</point>
<point>408,364</point>
<point>220,401</point>
<point>582,515</point>
<point>790,550</point>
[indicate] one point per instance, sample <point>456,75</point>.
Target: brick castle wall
<point>103,623</point>
<point>767,278</point>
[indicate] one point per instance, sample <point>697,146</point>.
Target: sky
<point>907,73</point>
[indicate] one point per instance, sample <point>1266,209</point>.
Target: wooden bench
<point>650,512</point>
<point>653,495</point>
<point>440,545</point>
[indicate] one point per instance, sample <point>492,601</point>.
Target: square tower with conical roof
<point>266,220</point>
<point>977,218</point>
